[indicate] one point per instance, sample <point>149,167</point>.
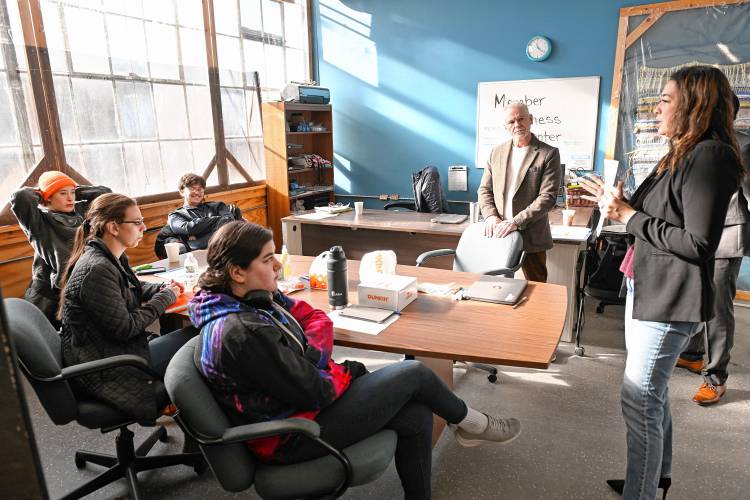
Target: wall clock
<point>539,48</point>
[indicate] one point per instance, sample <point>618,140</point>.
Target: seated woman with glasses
<point>267,356</point>
<point>105,310</point>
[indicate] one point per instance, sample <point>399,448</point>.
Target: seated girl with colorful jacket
<point>267,356</point>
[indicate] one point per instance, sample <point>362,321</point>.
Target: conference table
<point>438,330</point>
<point>410,233</point>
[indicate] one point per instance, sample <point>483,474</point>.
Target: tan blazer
<point>535,195</point>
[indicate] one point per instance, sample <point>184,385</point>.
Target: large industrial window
<point>20,144</point>
<point>131,84</point>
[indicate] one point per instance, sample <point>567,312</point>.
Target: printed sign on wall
<point>564,112</point>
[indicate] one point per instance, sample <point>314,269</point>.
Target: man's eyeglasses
<point>137,222</point>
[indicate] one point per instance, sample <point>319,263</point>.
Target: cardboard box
<point>389,292</point>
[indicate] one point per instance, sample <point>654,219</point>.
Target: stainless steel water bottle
<point>338,284</point>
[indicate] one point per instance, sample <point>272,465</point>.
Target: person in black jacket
<point>195,222</point>
<point>676,217</point>
<point>49,216</point>
<point>105,310</point>
<point>718,335</point>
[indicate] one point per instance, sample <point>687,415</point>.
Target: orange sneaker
<point>694,366</point>
<point>709,394</point>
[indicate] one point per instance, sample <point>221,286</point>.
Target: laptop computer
<point>449,218</point>
<point>497,289</point>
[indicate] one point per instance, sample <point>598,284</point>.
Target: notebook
<point>449,218</point>
<point>181,304</point>
<point>367,313</point>
<point>497,289</point>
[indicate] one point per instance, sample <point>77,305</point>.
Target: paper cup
<point>173,251</point>
<point>567,216</point>
<point>473,212</point>
<point>359,206</point>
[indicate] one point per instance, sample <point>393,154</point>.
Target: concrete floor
<point>573,433</point>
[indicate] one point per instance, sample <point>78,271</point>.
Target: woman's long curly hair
<point>704,110</point>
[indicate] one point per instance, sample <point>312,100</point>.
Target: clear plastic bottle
<point>286,271</point>
<point>191,271</point>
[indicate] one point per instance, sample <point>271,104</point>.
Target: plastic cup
<point>473,212</point>
<point>359,206</point>
<point>567,216</point>
<point>173,251</point>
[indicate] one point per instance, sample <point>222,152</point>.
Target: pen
<point>523,299</point>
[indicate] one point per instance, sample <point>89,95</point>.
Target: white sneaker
<point>499,430</point>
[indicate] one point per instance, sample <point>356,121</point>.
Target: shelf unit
<point>277,141</point>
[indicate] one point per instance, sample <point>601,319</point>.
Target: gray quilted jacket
<point>105,313</point>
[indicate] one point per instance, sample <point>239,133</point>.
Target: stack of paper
<point>334,209</point>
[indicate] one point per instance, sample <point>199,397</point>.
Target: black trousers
<point>720,334</point>
<point>402,397</point>
<point>535,266</point>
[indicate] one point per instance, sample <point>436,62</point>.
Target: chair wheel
<point>599,309</point>
<point>163,436</point>
<point>579,351</point>
<point>492,378</point>
<point>80,461</point>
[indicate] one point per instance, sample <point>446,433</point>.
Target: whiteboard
<point>564,110</point>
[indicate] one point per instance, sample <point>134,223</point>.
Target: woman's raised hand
<point>594,185</point>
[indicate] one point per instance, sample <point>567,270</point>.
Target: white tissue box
<point>390,292</point>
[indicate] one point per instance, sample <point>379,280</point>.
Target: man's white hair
<point>517,104</point>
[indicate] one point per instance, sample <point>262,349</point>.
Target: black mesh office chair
<point>236,469</point>
<point>475,253</point>
<point>40,358</point>
<point>429,196</point>
<point>599,273</point>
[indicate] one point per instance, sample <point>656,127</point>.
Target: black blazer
<point>677,230</point>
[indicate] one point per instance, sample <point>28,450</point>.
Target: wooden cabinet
<point>282,141</point>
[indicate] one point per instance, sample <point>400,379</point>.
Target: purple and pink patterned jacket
<point>266,358</point>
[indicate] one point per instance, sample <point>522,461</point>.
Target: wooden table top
<point>414,222</point>
<point>384,220</point>
<point>438,327</point>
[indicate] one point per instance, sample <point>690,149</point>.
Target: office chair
<point>475,253</point>
<point>599,274</point>
<point>429,196</point>
<point>235,467</point>
<point>40,358</point>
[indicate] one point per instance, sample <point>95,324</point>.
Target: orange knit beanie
<point>52,182</point>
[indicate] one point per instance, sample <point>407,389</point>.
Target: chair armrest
<point>509,271</point>
<point>303,426</point>
<point>400,204</point>
<point>105,364</point>
<point>434,253</point>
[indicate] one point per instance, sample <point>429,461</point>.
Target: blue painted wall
<point>403,76</point>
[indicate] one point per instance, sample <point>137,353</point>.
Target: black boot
<point>618,485</point>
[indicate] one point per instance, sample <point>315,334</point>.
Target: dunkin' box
<point>390,291</point>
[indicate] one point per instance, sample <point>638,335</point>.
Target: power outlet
<point>383,197</point>
<point>393,197</point>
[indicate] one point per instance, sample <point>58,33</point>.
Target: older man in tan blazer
<point>518,189</point>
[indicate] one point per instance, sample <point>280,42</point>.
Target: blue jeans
<point>652,351</point>
<point>402,397</point>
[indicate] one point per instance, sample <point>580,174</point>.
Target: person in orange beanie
<point>49,216</point>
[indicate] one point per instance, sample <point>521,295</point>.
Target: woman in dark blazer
<point>676,217</point>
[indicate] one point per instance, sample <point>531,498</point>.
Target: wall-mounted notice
<point>564,110</point>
